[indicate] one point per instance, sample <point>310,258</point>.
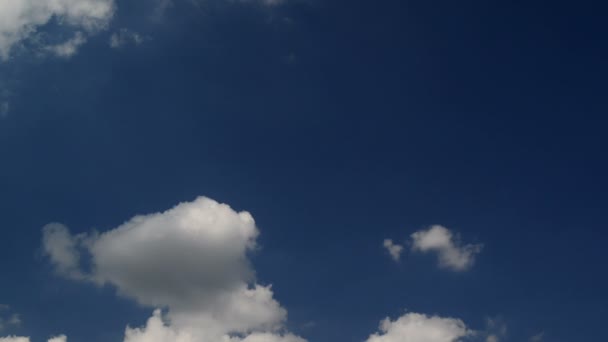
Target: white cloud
<point>14,339</point>
<point>192,260</point>
<point>60,338</point>
<point>393,249</point>
<point>414,327</point>
<point>123,37</point>
<point>452,255</point>
<point>69,47</point>
<point>20,19</point>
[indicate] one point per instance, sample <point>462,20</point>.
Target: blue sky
<point>436,166</point>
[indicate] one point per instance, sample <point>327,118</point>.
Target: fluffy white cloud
<point>452,254</point>
<point>393,249</point>
<point>19,19</point>
<point>414,327</point>
<point>191,259</point>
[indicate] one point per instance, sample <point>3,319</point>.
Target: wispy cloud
<point>69,47</point>
<point>124,37</point>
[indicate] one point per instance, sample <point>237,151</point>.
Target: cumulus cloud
<point>414,327</point>
<point>192,260</point>
<point>123,37</point>
<point>452,255</point>
<point>393,249</point>
<point>20,19</point>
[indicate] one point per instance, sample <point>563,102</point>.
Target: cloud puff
<point>191,259</point>
<point>19,19</point>
<point>414,327</point>
<point>393,249</point>
<point>452,255</point>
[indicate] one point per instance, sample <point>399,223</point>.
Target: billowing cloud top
<point>420,328</point>
<point>191,259</point>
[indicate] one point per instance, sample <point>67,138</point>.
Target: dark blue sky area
<point>337,124</point>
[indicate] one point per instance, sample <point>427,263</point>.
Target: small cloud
<point>538,337</point>
<point>125,36</point>
<point>393,249</point>
<point>492,338</point>
<point>60,338</point>
<point>452,255</point>
<point>68,48</point>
